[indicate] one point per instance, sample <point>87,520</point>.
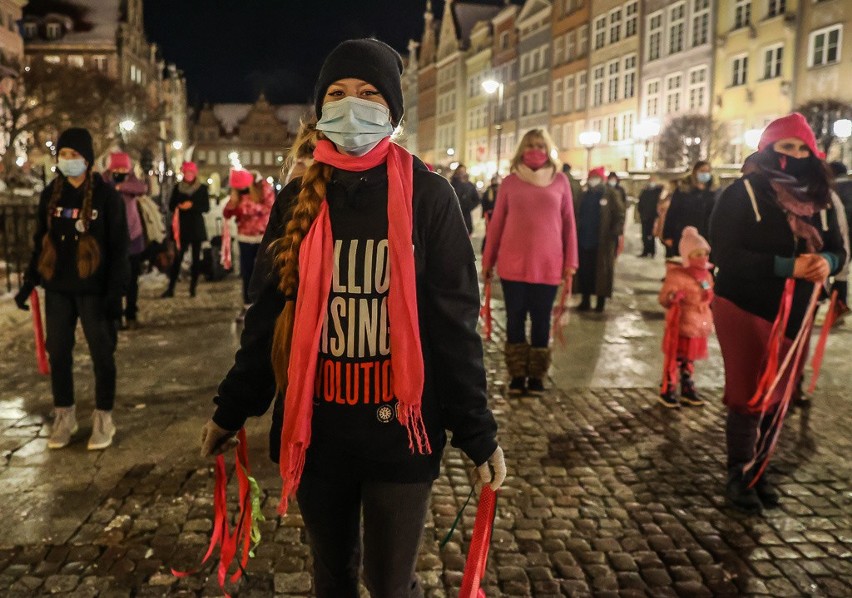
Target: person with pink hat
<point>687,292</point>
<point>600,223</point>
<point>120,174</point>
<point>773,228</point>
<point>250,204</point>
<point>191,200</point>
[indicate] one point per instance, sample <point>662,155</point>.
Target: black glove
<point>23,296</point>
<point>112,307</point>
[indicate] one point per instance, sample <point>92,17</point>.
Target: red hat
<point>600,171</point>
<point>188,167</point>
<point>792,125</point>
<point>119,160</point>
<point>240,179</point>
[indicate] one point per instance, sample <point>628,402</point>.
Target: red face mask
<point>535,158</point>
<point>189,177</point>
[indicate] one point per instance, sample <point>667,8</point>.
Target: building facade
<point>534,58</point>
<point>426,86</point>
<point>479,105</point>
<point>504,70</point>
<point>410,121</point>
<point>11,42</point>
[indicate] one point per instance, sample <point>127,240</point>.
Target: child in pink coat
<point>687,292</point>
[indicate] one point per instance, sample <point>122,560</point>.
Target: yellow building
<point>753,81</point>
<point>479,120</point>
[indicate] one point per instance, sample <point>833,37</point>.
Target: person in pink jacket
<point>532,240</point>
<point>688,289</point>
<point>250,204</point>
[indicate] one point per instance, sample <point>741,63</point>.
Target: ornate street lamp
<point>492,86</point>
<point>589,140</point>
<point>647,130</point>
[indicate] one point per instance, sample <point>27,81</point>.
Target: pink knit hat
<point>600,171</point>
<point>240,179</point>
<point>119,160</point>
<point>792,125</point>
<point>690,240</point>
<point>188,167</point>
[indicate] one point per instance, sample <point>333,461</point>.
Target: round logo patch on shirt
<point>603,202</point>
<point>80,226</point>
<point>385,414</point>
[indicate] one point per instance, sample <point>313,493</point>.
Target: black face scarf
<point>803,169</point>
<point>119,177</point>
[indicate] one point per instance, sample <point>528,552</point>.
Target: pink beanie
<point>240,179</point>
<point>119,160</point>
<point>188,167</point>
<point>600,171</point>
<point>792,125</point>
<point>690,240</point>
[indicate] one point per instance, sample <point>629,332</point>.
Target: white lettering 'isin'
<point>356,326</point>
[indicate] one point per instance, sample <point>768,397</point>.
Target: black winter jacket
<point>690,206</point>
<point>648,200</point>
<point>192,220</point>
<point>744,250</point>
<point>454,395</point>
<point>468,200</point>
<point>109,228</point>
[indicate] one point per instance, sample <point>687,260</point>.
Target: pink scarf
<point>316,264</point>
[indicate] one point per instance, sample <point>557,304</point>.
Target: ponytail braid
<point>47,257</point>
<point>88,250</point>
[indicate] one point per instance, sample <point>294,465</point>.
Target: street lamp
<point>843,131</point>
<point>752,138</point>
<point>589,139</point>
<point>492,86</point>
<point>177,145</point>
<point>127,125</point>
<point>646,130</point>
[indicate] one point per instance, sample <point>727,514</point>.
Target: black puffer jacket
<point>690,206</point>
<point>454,395</point>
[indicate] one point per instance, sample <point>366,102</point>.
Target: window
<point>268,159</point>
<point>772,58</point>
<point>597,86</point>
<point>673,91</point>
<point>567,135</point>
<point>612,81</point>
<point>630,76</point>
<point>558,50</point>
<point>583,43</point>
<point>568,99</point>
<point>627,125</point>
<point>30,30</point>
<point>570,45</point>
<point>504,40</point>
<point>51,59</point>
<point>524,104</point>
<point>54,30</point>
<point>245,157</point>
<point>652,98</point>
<point>612,129</point>
<point>742,13</point>
<point>557,96</point>
<point>615,26</point>
<point>525,60</point>
<point>600,32</point>
<point>700,22</point>
<point>582,90</point>
<point>739,70</point>
<point>76,61</point>
<point>631,10</point>
<point>655,35</point>
<point>100,62</point>
<point>223,157</point>
<point>697,88</point>
<point>677,26</point>
<point>825,46</point>
<point>776,7</point>
<point>255,158</point>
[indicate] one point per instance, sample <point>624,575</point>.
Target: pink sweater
<point>532,236</point>
<point>252,217</point>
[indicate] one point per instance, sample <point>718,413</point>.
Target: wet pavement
<point>607,495</point>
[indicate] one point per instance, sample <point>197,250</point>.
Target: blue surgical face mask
<point>71,168</point>
<point>704,177</point>
<point>354,125</point>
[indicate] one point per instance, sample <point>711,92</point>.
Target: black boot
<point>518,386</point>
<point>193,285</point>
<point>767,494</point>
<point>585,304</point>
<point>601,303</point>
<point>688,394</point>
<point>740,496</point>
<point>169,292</point>
<point>668,398</point>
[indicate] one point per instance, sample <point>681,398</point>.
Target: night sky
<point>231,50</point>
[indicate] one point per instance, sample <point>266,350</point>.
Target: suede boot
<point>517,359</point>
<point>539,364</point>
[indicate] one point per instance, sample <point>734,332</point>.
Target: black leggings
<point>248,255</point>
<point>394,516</point>
<point>195,268</point>
<point>62,311</point>
<point>133,289</point>
<point>524,298</point>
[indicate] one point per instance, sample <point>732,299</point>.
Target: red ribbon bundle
<point>477,558</point>
<point>671,339</point>
<point>226,244</point>
<point>819,352</point>
<point>221,535</point>
<point>485,311</point>
<point>776,338</point>
<point>176,227</point>
<point>38,332</point>
<point>561,310</point>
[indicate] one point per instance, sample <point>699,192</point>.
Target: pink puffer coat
<point>694,288</point>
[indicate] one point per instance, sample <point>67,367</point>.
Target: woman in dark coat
<point>191,200</point>
<point>691,205</point>
<point>773,224</point>
<point>600,222</point>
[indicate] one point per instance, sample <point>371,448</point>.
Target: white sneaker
<point>102,430</point>
<point>64,426</point>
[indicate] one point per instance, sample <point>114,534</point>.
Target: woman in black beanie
<point>81,259</point>
<point>362,407</point>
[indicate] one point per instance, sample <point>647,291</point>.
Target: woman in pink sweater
<point>532,239</point>
<point>250,204</point>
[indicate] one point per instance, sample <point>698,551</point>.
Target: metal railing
<point>17,227</point>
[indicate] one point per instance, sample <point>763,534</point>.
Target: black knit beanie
<point>370,60</point>
<point>79,140</point>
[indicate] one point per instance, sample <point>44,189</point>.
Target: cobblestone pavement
<point>607,494</point>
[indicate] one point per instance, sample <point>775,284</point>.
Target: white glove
<point>216,440</point>
<point>498,464</point>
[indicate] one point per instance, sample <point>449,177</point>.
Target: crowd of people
<point>361,409</point>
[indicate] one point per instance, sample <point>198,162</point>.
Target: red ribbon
<point>176,228</point>
<point>776,339</point>
<point>221,535</point>
<point>561,310</point>
<point>671,338</point>
<point>485,311</point>
<point>819,352</point>
<point>477,558</point>
<point>38,332</point>
<point>226,245</point>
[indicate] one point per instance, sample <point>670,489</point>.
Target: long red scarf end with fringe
<point>418,439</point>
<point>292,464</point>
<point>38,333</point>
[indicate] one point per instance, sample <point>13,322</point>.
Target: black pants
<point>741,435</point>
<point>131,308</point>
<point>394,516</point>
<point>649,243</point>
<point>587,273</point>
<point>535,300</point>
<point>194,269</point>
<point>62,311</point>
<point>842,288</point>
<point>248,255</point>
